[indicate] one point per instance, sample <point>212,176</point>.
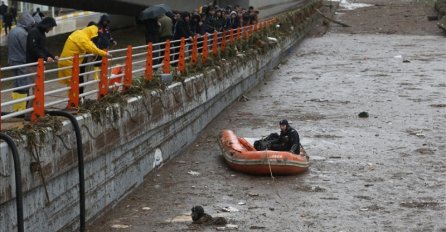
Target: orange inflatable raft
<point>242,156</point>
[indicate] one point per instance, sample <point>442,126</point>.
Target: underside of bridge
<point>131,7</point>
<point>134,7</point>
<point>109,6</point>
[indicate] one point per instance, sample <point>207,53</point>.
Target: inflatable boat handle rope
<point>269,165</point>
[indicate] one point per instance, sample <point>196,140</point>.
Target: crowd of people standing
<point>206,19</point>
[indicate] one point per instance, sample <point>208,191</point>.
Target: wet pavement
<point>381,173</point>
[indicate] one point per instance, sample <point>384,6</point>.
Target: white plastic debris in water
<point>227,227</point>
<point>351,6</point>
<point>315,157</point>
<point>158,159</point>
<point>181,218</point>
<point>229,209</point>
<point>241,203</point>
<point>193,173</point>
<point>145,208</point>
<point>120,226</point>
<point>272,39</point>
<point>398,57</point>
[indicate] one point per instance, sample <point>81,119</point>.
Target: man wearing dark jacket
<point>3,10</point>
<point>152,32</point>
<point>102,41</point>
<point>182,27</point>
<point>289,139</point>
<point>36,41</point>
<point>7,21</point>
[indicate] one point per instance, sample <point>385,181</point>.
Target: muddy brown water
<point>381,173</point>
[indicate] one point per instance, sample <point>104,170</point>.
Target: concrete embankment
<point>127,141</point>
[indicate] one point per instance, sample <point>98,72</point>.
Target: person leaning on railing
<point>36,41</point>
<point>79,42</point>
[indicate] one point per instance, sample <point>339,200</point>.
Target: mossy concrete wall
<point>123,145</point>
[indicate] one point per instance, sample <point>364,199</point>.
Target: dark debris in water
<point>306,188</point>
<point>363,114</point>
<point>421,204</point>
<point>425,151</point>
<point>438,105</point>
<point>364,197</point>
<point>327,136</point>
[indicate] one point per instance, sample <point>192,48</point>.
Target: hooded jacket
<point>232,23</point>
<point>36,41</point>
<point>79,42</point>
<point>17,40</point>
<point>166,27</point>
<point>104,38</point>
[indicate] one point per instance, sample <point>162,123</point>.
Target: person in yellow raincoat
<point>79,42</point>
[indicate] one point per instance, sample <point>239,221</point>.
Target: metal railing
<point>115,73</point>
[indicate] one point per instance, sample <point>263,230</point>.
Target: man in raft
<point>288,139</point>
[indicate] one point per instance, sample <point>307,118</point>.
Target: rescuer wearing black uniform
<point>289,139</point>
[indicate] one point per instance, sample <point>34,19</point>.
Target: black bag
<point>265,144</point>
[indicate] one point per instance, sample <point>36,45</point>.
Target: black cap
<point>283,122</point>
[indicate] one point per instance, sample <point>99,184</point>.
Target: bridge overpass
<point>133,7</point>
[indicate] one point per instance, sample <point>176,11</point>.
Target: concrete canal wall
<point>125,144</point>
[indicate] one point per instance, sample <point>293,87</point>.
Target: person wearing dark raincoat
<point>196,25</point>
<point>103,40</point>
<point>289,139</point>
<point>220,20</point>
<point>152,32</point>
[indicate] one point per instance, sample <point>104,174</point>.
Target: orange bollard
<point>103,78</point>
<point>149,63</point>
<point>73,95</point>
<point>195,51</point>
<point>128,75</point>
<point>204,53</point>
<point>231,36</point>
<point>166,66</point>
<point>215,44</point>
<point>223,42</point>
<point>39,94</point>
<point>181,64</point>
